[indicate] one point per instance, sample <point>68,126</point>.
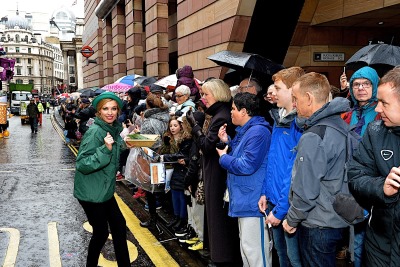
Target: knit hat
<point>106,95</point>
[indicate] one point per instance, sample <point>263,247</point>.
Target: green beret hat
<point>106,95</point>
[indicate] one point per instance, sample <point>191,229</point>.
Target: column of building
<point>156,38</point>
<point>66,70</point>
<point>107,51</point>
<point>118,41</point>
<point>134,36</point>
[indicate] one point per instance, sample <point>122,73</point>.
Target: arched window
<point>17,39</point>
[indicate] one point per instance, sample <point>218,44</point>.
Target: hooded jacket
<point>362,115</point>
<point>378,152</point>
<point>96,165</point>
<point>317,173</point>
<point>282,153</point>
<point>246,165</point>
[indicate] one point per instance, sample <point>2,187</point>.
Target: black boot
<point>174,221</point>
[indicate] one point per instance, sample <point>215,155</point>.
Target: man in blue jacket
<point>281,155</point>
<point>246,165</point>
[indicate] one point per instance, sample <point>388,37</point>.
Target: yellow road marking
<point>153,248</point>
<point>12,249</point>
<point>54,245</point>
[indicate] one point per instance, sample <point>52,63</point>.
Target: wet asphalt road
<point>41,223</point>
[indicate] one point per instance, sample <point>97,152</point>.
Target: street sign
<point>328,56</point>
<point>87,51</point>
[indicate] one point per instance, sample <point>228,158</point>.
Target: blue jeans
<point>359,235</point>
<point>318,245</point>
<point>179,203</point>
<point>286,245</point>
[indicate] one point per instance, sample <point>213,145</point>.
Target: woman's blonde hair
<point>219,89</point>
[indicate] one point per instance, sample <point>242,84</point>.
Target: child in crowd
<point>176,148</point>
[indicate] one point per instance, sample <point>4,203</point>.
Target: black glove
<point>167,140</point>
<point>197,131</point>
<point>190,118</point>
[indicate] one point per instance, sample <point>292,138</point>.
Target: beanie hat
<point>106,95</point>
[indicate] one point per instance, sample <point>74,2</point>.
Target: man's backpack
<point>344,203</point>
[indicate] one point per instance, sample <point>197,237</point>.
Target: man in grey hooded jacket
<point>317,172</point>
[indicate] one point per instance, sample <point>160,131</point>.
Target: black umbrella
<point>98,91</point>
<point>144,80</point>
<point>242,60</point>
<point>87,93</point>
<point>377,56</point>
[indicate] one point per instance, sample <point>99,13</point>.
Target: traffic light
<point>9,74</point>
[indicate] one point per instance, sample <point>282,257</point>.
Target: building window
<point>30,81</point>
<point>17,49</point>
<point>17,39</point>
<point>71,79</point>
<point>18,60</point>
<point>29,61</point>
<point>19,81</point>
<point>29,71</point>
<point>29,50</point>
<point>71,69</point>
<point>18,71</point>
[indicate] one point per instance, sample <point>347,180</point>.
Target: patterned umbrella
<point>128,79</point>
<point>117,87</point>
<point>169,82</point>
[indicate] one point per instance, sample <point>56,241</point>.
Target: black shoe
<point>183,231</point>
<point>181,225</point>
<point>148,223</point>
<point>152,225</point>
<point>173,222</point>
<point>190,234</point>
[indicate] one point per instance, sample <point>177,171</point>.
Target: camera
<point>127,121</point>
<point>221,145</point>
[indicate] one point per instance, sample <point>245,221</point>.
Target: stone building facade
<point>155,37</point>
<point>37,62</point>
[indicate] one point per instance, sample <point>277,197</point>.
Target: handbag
<point>200,196</point>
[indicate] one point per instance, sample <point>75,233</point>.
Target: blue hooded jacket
<point>246,165</point>
<point>282,153</point>
<point>360,116</point>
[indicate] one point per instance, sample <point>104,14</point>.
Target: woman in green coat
<point>94,185</point>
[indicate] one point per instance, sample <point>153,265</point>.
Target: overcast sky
<point>45,6</point>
